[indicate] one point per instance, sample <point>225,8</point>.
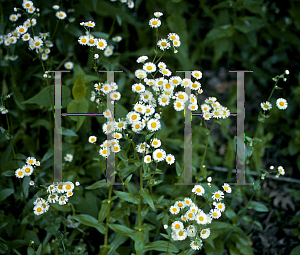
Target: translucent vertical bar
<point>240,137</point>
<point>188,152</point>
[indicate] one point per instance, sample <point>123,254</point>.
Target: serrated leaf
<point>259,207</point>
<point>145,194</point>
<point>43,97</point>
<point>89,221</point>
<point>78,90</point>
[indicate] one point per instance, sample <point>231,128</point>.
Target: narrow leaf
<point>145,194</point>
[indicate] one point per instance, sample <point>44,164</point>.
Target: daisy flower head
<point>266,106</point>
<point>83,40</point>
<point>149,110</point>
<point>52,188</point>
<point>69,186</point>
<point>194,245</point>
<point>31,9</point>
<point>281,170</point>
<point>31,183</point>
<point>19,173</point>
<point>55,7</point>
<point>117,39</point>
<point>13,17</point>
<point>190,215</point>
<point>175,210</point>
<point>90,24</point>
<point>173,36</point>
<point>207,115</point>
<point>191,231</point>
<point>63,200</point>
<point>140,74</point>
<point>181,96</point>
<point>149,67</point>
<point>68,157</point>
<point>198,190</point>
<point>210,100</point>
<point>140,108</point>
<point>159,155</point>
<point>163,44</point>
<point>176,43</point>
<point>141,59</point>
<point>104,152</point>
<point>180,234</point>
<point>154,23</point>
<point>38,209</point>
<point>27,4</point>
<point>36,42</point>
<point>21,29</point>
<point>106,88</point>
<point>220,206</point>
<point>92,139</point>
<point>218,195</point>
<point>133,116</point>
<point>92,41</point>
<point>176,225</point>
<point>165,72</point>
<point>227,187</point>
<point>118,135</point>
<point>170,159</point>
<point>153,125</point>
<point>130,4</point>
<point>187,201</point>
<point>27,169</point>
<point>137,126</point>
<point>121,124</point>
<point>205,233</point>
<point>115,95</point>
<point>201,218</point>
<point>155,143</point>
<point>61,15</point>
<point>175,80</point>
<point>69,65</point>
<point>101,44</point>
<point>158,14</point>
<point>116,148</point>
<point>186,83</point>
<point>108,127</point>
<point>281,103</point>
<point>180,204</point>
<point>195,85</point>
<point>162,65</point>
<point>215,213</point>
<point>147,159</point>
<point>178,105</point>
<point>30,161</point>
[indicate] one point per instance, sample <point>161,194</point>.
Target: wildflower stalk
<point>55,29</point>
<point>108,215</point>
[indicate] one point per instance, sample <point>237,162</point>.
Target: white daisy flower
<point>176,225</point>
<point>159,155</point>
<point>180,204</point>
<point>176,43</point>
<point>117,39</point>
<point>60,188</point>
<point>147,159</point>
<point>163,100</point>
<point>27,169</point>
<point>175,80</point>
<point>141,59</point>
<point>181,234</point>
<point>156,143</point>
<point>92,139</point>
<point>68,157</point>
<point>178,105</point>
<point>140,74</point>
<point>118,135</point>
<point>186,83</point>
<point>149,67</point>
<point>207,115</point>
<point>187,201</point>
<point>101,44</point>
<point>31,183</point>
<point>104,152</point>
<point>170,159</point>
<point>55,7</point>
<point>121,124</point>
<point>19,173</point>
<point>140,108</point>
<point>13,17</point>
<point>132,116</point>
<point>26,37</point>
<point>281,103</point>
<point>195,85</point>
<point>281,170</point>
<point>201,218</point>
<point>174,210</point>
<point>193,107</point>
<point>190,215</point>
<point>173,36</point>
<point>184,218</point>
<point>154,23</point>
<point>63,200</point>
<point>266,106</point>
<point>38,209</point>
<point>83,40</point>
<point>220,206</point>
<point>138,88</point>
<point>218,195</point>
<point>205,233</point>
<point>210,100</point>
<point>195,246</point>
<point>61,15</point>
<point>163,44</point>
<point>153,125</point>
<point>227,187</point>
<point>191,231</point>
<point>69,65</point>
<point>106,88</point>
<point>30,160</point>
<point>21,29</point>
<point>52,188</point>
<point>215,213</point>
<point>199,190</point>
<point>27,4</point>
<point>108,127</point>
<point>162,65</point>
<point>90,24</point>
<point>116,148</point>
<point>158,14</point>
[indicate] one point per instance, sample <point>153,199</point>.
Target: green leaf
<point>178,168</point>
<point>80,105</point>
<point>96,185</point>
<point>62,208</point>
<point>128,179</point>
<point>4,193</point>
<point>25,185</point>
<point>296,250</point>
<point>100,35</point>
<point>145,194</point>
<point>248,24</point>
<point>293,148</point>
<point>9,173</point>
<point>128,197</point>
<point>89,221</point>
<point>48,154</point>
<point>105,207</point>
<point>41,122</point>
<point>120,111</point>
<point>39,250</point>
<point>259,207</point>
<point>118,240</point>
<point>119,20</point>
<point>139,241</point>
<point>78,90</point>
<point>43,97</point>
<point>30,251</point>
<point>123,230</point>
<point>230,214</point>
<point>258,224</point>
<point>225,31</point>
<point>160,246</point>
<point>68,132</point>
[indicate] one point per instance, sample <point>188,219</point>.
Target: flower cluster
<point>28,168</point>
<point>281,103</point>
<point>194,221</point>
<point>217,110</point>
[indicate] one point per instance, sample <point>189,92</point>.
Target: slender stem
<point>108,215</point>
<point>55,29</point>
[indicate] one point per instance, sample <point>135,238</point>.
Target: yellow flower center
<point>20,173</point>
<point>138,87</point>
<point>68,186</point>
<point>203,232</point>
<point>164,100</point>
<point>27,170</point>
<point>178,104</point>
<point>173,37</point>
<point>190,215</point>
<point>37,43</point>
<point>201,218</point>
<point>149,67</point>
<point>30,161</point>
<point>104,151</point>
<point>163,44</point>
<point>217,195</point>
<point>181,97</point>
<point>92,41</point>
<point>93,139</point>
<point>60,15</point>
<point>177,226</point>
<point>180,204</point>
<point>174,210</point>
<point>137,126</point>
<point>153,125</point>
<point>101,44</point>
<point>116,148</point>
<point>21,29</point>
<point>39,209</point>
<point>159,155</point>
<point>154,22</point>
<point>220,206</point>
<point>281,104</point>
<point>60,186</point>
<point>83,40</point>
<point>215,214</point>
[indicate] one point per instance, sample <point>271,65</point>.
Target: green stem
<point>108,215</point>
<point>55,29</point>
